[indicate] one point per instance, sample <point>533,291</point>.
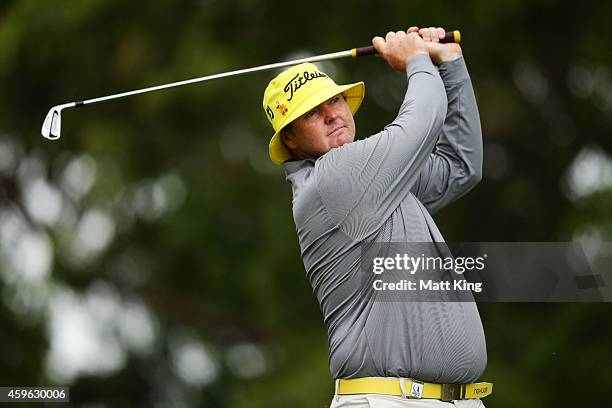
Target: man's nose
<point>329,113</point>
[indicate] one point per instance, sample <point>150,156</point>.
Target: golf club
<point>51,127</point>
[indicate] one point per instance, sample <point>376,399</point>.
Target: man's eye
<point>310,114</point>
<point>334,100</point>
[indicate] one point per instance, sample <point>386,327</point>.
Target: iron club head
<point>52,125</point>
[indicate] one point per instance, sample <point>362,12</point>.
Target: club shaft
<point>451,36</point>
<point>323,57</point>
<point>51,127</point>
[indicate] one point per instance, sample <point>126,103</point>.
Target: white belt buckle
<point>416,389</point>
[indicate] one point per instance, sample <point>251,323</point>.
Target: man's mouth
<point>333,132</point>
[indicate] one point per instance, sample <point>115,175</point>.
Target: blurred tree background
<point>149,257</point>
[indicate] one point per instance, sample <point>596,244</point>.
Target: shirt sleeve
<point>363,182</point>
<point>455,166</point>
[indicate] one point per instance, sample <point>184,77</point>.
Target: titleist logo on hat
<point>300,79</point>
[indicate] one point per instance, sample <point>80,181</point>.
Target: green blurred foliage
<point>224,265</point>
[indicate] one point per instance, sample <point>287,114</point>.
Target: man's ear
<point>287,138</point>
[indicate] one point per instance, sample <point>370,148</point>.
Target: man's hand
<point>398,48</point>
<point>438,53</point>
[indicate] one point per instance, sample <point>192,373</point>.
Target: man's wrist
<point>420,63</point>
<point>451,56</point>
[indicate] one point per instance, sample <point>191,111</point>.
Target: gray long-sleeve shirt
<point>383,189</point>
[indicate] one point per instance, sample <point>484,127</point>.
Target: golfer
<point>383,188</point>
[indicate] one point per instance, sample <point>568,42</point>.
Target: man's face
<point>319,130</point>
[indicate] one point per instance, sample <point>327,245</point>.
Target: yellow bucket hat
<point>294,92</point>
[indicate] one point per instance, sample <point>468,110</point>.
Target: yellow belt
<point>409,388</point>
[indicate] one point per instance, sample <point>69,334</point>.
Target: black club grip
<point>450,37</point>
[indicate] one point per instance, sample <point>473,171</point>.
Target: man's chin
<point>341,140</point>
